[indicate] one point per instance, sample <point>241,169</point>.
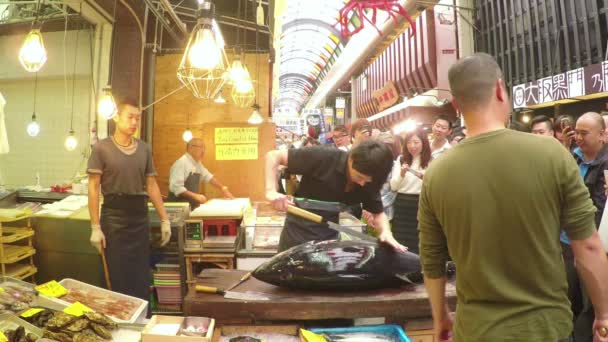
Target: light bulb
<point>204,52</point>
<point>237,72</point>
<point>407,126</point>
<point>107,106</point>
<point>220,99</point>
<point>187,136</point>
<point>525,118</point>
<point>244,86</point>
<point>255,118</point>
<point>33,128</point>
<point>33,54</point>
<point>71,142</point>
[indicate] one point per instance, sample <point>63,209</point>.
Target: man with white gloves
<point>123,168</point>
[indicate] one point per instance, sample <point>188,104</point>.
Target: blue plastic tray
<point>385,329</point>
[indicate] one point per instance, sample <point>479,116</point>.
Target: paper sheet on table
<point>222,207</point>
<point>603,229</point>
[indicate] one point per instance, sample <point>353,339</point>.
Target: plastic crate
<point>384,329</point>
<point>220,227</point>
<point>169,294</point>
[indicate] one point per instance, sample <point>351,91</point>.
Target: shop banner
<point>236,152</point>
<point>236,135</point>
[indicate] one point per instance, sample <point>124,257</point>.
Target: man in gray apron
<point>188,172</point>
<point>123,168</point>
<point>331,175</point>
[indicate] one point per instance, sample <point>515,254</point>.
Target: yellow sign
<point>31,312</point>
<point>236,152</point>
<point>236,135</point>
<point>77,309</point>
<point>52,289</point>
<point>3,337</point>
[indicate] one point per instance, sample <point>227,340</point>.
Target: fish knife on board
<point>319,219</point>
<point>249,295</point>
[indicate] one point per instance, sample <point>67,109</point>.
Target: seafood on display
<point>62,327</point>
<point>339,265</point>
<point>20,335</point>
<point>15,298</point>
<point>107,303</point>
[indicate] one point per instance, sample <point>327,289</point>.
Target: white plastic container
<point>75,284</point>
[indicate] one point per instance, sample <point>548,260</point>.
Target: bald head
<point>594,119</point>
<point>473,80</point>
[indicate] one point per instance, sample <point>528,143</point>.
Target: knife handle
<point>208,289</point>
<point>304,214</point>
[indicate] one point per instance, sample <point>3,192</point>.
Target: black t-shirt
<point>324,176</point>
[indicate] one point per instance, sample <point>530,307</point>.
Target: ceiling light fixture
<point>33,128</point>
<point>106,107</point>
<point>32,54</point>
<point>71,142</point>
<point>203,67</point>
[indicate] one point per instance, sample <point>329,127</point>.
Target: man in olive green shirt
<point>496,202</point>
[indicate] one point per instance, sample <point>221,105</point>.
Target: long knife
<point>319,219</point>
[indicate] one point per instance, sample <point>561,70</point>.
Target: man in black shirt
<point>331,175</point>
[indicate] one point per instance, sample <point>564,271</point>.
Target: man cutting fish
<point>331,175</point>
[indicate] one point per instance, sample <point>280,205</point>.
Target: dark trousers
<point>127,250</point>
<point>582,309</point>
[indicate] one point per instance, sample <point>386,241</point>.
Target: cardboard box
<point>148,334</point>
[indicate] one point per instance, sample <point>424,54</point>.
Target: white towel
<point>4,148</point>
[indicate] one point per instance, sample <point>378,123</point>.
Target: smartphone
<point>565,124</point>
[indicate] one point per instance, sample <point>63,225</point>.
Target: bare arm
<point>384,231</point>
<point>442,321</point>
<point>273,160</point>
<point>193,196</point>
<point>155,197</point>
<point>592,266</point>
<point>224,189</point>
<point>94,184</point>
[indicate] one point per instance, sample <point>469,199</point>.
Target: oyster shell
<point>86,338</point>
<point>61,337</point>
<point>60,320</point>
<point>79,325</point>
<point>101,331</point>
<point>100,318</point>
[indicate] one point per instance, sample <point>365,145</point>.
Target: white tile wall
<point>45,153</point>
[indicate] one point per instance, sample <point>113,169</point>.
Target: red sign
<point>387,96</point>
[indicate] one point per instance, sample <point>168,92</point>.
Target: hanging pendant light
<point>255,118</point>
<point>32,54</point>
<point>33,128</point>
<point>106,105</point>
<point>71,142</point>
<point>187,135</point>
<point>204,64</point>
<point>220,99</point>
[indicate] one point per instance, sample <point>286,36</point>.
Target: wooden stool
<point>223,261</point>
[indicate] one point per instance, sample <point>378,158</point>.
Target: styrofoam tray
<point>11,322</point>
<point>75,284</point>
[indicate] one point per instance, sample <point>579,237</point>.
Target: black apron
<point>126,226</point>
<point>297,230</point>
<point>405,221</point>
<point>192,184</point>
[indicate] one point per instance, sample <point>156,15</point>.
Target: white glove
<point>98,240</point>
<point>165,230</point>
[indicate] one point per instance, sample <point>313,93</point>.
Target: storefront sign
<point>339,113</point>
<point>579,82</point>
<point>236,152</point>
<point>387,96</point>
<point>340,102</point>
<point>236,135</point>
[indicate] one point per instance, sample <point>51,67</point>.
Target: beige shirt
<point>410,184</point>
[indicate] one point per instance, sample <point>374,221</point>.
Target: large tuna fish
<point>338,265</point>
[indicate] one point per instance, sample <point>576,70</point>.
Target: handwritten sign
<point>387,96</point>
<point>77,309</point>
<point>31,312</point>
<point>236,152</point>
<point>52,289</point>
<point>236,135</point>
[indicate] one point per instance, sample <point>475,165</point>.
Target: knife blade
<point>319,219</point>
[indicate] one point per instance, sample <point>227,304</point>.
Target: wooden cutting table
<point>397,305</point>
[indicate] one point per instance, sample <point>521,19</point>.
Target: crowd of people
<point>517,212</point>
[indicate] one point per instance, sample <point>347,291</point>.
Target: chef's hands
<point>387,237</point>
<point>443,327</point>
<point>568,136</point>
<point>98,240</point>
<point>279,201</point>
<point>227,193</point>
<point>201,198</point>
<point>165,231</point>
<point>369,219</point>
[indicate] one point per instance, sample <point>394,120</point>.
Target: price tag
<point>77,309</point>
<point>3,337</point>
<point>52,289</point>
<point>1,290</point>
<point>31,312</point>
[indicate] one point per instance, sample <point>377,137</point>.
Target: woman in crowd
<point>406,180</point>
